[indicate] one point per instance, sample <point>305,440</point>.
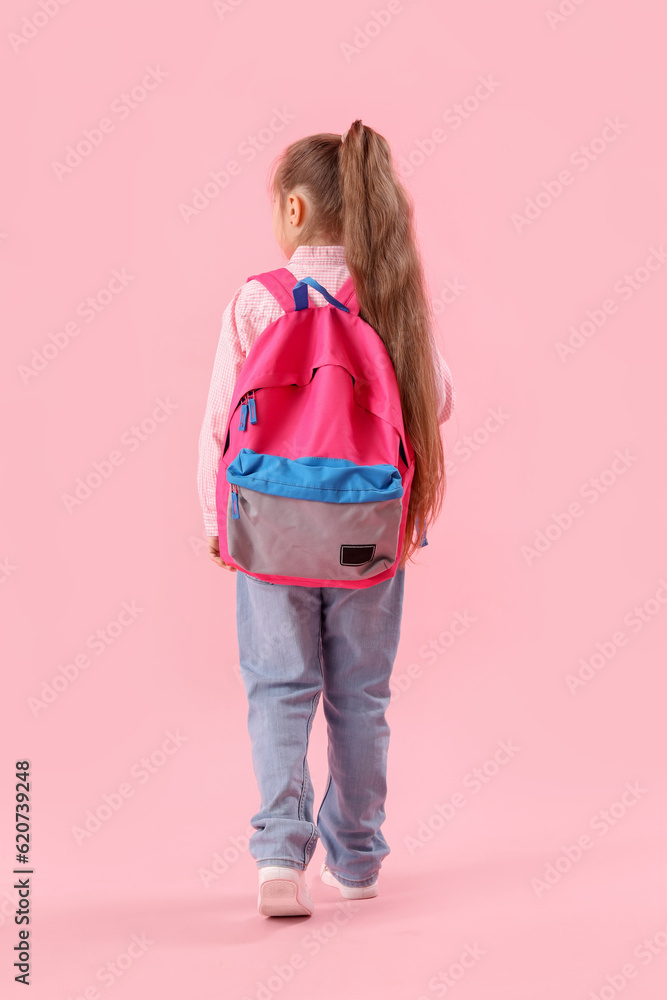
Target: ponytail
<point>358,202</point>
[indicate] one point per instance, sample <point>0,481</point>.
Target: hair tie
<point>342,138</point>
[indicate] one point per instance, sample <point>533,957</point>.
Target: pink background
<point>463,882</point>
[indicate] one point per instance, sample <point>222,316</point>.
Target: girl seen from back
<point>339,210</point>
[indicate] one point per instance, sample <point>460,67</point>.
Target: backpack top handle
<point>300,293</point>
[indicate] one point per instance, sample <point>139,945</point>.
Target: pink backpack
<point>314,479</point>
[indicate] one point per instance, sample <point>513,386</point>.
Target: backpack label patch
<point>355,555</point>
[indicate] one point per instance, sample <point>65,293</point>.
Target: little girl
<point>339,209</point>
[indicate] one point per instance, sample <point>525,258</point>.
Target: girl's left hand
<point>214,553</point>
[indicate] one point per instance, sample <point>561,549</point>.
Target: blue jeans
<point>296,643</point>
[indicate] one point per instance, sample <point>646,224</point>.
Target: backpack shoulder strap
<point>346,295</point>
<point>280,283</point>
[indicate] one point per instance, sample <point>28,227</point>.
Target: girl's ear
<point>295,208</point>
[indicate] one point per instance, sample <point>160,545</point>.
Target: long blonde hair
<point>359,203</point>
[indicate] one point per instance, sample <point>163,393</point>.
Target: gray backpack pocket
<point>314,518</point>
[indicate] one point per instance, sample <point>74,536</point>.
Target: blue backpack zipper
<point>248,403</point>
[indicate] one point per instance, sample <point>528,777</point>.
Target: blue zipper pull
<point>244,414</point>
<point>235,500</point>
<point>253,409</point>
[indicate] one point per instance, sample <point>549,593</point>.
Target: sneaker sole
<point>279,897</point>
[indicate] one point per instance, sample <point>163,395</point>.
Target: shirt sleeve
<point>447,390</point>
<point>229,359</point>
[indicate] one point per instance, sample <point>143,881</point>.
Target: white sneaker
<point>283,892</point>
<point>348,891</point>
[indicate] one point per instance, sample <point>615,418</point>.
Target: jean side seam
<point>310,722</point>
<point>314,834</point>
<point>326,792</point>
<point>308,726</point>
<point>314,837</point>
